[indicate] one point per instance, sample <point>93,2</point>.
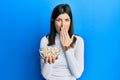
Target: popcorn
<point>49,51</point>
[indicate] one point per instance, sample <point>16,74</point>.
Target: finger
<point>50,60</point>
<point>72,37</point>
<point>46,60</point>
<point>66,35</point>
<point>61,28</point>
<point>61,35</point>
<point>53,59</point>
<point>56,57</point>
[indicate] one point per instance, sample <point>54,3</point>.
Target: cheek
<point>57,26</point>
<point>67,26</point>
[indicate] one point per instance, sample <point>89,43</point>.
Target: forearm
<point>76,66</point>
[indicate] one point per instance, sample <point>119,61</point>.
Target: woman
<point>69,64</point>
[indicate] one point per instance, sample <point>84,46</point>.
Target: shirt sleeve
<point>46,69</point>
<point>75,58</point>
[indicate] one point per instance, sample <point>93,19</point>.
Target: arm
<point>75,58</point>
<point>46,69</point>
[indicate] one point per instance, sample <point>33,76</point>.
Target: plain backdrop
<point>24,22</point>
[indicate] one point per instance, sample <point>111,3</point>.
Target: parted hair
<point>60,9</point>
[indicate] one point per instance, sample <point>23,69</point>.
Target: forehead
<point>64,15</point>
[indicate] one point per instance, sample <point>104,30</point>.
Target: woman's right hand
<point>50,59</point>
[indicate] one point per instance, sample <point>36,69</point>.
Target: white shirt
<point>70,63</point>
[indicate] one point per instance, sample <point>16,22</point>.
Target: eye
<point>58,19</point>
<point>67,20</point>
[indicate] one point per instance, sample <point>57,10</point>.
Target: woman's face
<point>63,20</point>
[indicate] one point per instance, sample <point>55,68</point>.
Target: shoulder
<point>44,41</point>
<point>79,44</point>
<point>79,39</point>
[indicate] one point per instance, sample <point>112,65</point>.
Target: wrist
<point>67,48</point>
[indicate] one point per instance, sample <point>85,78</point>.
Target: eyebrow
<point>60,18</point>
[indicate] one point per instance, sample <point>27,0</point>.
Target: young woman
<point>69,64</point>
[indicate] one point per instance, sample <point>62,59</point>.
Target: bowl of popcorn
<point>49,51</point>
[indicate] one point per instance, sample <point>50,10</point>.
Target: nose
<point>62,23</point>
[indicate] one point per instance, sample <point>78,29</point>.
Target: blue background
<point>24,22</point>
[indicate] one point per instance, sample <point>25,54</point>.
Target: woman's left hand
<point>65,38</point>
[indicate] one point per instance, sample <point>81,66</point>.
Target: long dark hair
<point>60,9</point>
